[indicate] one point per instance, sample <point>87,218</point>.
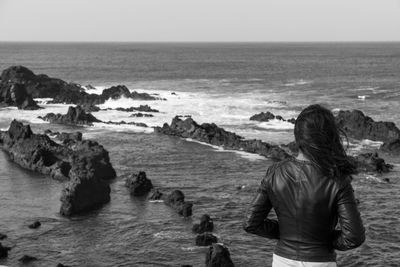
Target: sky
<point>199,20</point>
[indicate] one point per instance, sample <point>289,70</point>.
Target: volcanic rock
<point>206,239</point>
<point>138,184</point>
<point>263,116</point>
<point>212,134</point>
<point>27,258</point>
<point>370,162</point>
<point>4,251</point>
<point>75,116</point>
<point>176,200</point>
<point>359,126</point>
<point>391,146</point>
<point>143,108</point>
<point>116,92</point>
<point>35,225</point>
<point>85,164</point>
<point>139,115</point>
<point>16,95</point>
<point>218,256</point>
<point>206,225</point>
<point>156,195</point>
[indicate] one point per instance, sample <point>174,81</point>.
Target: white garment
<point>278,261</point>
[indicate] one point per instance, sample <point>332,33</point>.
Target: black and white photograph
<point>187,133</point>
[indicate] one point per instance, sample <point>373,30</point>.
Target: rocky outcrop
<point>206,239</point>
<point>138,184</point>
<point>143,108</point>
<point>140,115</point>
<point>370,162</point>
<point>218,256</point>
<point>16,95</point>
<point>176,200</point>
<point>206,225</point>
<point>212,134</point>
<point>27,259</point>
<point>391,146</point>
<point>34,225</point>
<point>365,162</point>
<point>75,116</point>
<point>4,251</point>
<point>267,116</point>
<point>359,126</point>
<point>43,86</point>
<point>85,164</point>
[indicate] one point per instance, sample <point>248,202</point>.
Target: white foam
<point>276,125</point>
<point>362,97</point>
<point>297,82</point>
<point>42,101</point>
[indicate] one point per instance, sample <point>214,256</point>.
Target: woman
<point>309,194</point>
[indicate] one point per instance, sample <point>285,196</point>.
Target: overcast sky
<point>199,20</point>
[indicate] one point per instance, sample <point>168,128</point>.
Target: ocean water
<point>222,83</point>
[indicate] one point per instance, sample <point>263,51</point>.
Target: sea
<point>223,83</point>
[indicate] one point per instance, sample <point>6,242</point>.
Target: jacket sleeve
<point>256,221</point>
<point>352,232</point>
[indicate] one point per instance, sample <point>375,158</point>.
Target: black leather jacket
<point>308,206</point>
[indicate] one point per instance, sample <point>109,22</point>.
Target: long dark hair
<point>318,138</point>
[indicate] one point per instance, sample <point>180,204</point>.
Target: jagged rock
<point>75,116</point>
<point>27,259</point>
<point>391,146</point>
<point>157,195</point>
<point>176,200</point>
<point>139,115</point>
<point>90,87</point>
<point>35,225</point>
<point>218,256</point>
<point>85,164</point>
<point>143,108</point>
<point>263,116</point>
<point>43,86</point>
<point>65,137</point>
<point>206,225</point>
<point>370,162</point>
<point>4,251</point>
<point>212,134</point>
<point>292,120</point>
<point>90,108</point>
<point>359,126</point>
<point>138,184</point>
<point>206,239</point>
<point>16,95</point>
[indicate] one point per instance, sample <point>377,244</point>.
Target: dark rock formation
<point>212,134</point>
<point>206,239</point>
<point>370,162</point>
<point>267,116</point>
<point>359,126</point>
<point>2,236</point>
<point>143,108</point>
<point>157,195</point>
<point>391,146</point>
<point>27,259</point>
<point>90,108</point>
<point>176,200</point>
<point>35,225</point>
<point>42,86</point>
<point>15,94</point>
<point>139,115</point>
<point>138,184</point>
<point>75,116</point>
<point>139,124</point>
<point>4,251</point>
<point>218,256</point>
<point>206,225</point>
<point>85,164</point>
<point>263,116</point>
<point>366,162</point>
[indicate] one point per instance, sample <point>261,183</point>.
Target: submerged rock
<point>75,116</point>
<point>4,251</point>
<point>370,162</point>
<point>218,256</point>
<point>176,200</point>
<point>206,225</point>
<point>139,115</point>
<point>138,184</point>
<point>212,134</point>
<point>391,146</point>
<point>85,164</point>
<point>143,108</point>
<point>2,236</point>
<point>359,126</point>
<point>35,225</point>
<point>27,259</point>
<point>206,239</point>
